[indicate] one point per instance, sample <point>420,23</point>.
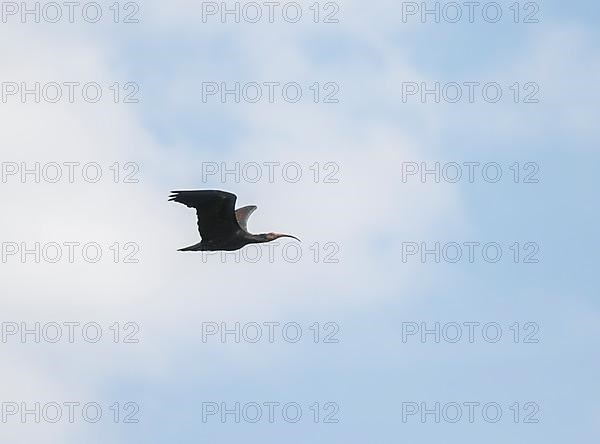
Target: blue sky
<point>369,214</point>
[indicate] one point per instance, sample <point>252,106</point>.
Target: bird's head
<point>272,236</point>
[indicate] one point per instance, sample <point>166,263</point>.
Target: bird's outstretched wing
<point>215,210</point>
<point>242,215</point>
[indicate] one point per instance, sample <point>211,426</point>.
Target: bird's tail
<point>191,248</point>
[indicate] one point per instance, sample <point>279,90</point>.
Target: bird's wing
<point>242,215</point>
<point>215,210</point>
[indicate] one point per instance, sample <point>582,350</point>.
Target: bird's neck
<point>259,238</point>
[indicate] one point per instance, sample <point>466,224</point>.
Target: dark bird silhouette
<point>221,226</point>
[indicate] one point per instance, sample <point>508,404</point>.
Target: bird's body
<point>221,227</point>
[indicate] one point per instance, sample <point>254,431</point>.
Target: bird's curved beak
<point>278,235</point>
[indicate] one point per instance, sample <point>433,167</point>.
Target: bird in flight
<point>221,226</point>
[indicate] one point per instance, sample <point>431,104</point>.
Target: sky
<point>445,287</point>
